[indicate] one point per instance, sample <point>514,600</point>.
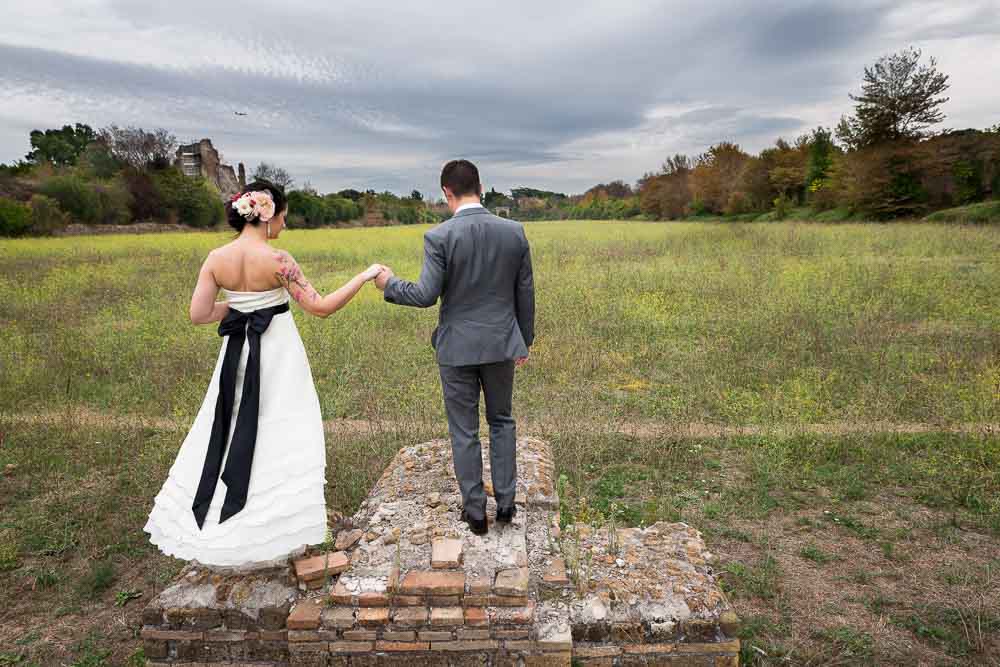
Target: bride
<point>247,485</point>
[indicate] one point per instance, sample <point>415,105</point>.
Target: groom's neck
<point>462,201</point>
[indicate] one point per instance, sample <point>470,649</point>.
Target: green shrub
<point>97,161</point>
<point>115,202</point>
<point>968,180</point>
<point>983,212</point>
<point>782,204</point>
<point>311,210</point>
<point>15,217</point>
<point>75,196</point>
<point>193,200</point>
<point>46,216</point>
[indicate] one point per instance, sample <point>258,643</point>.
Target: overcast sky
<point>544,93</point>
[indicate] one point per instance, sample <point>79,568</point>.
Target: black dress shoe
<point>477,526</point>
<point>506,515</point>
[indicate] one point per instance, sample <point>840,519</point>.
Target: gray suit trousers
<point>461,385</point>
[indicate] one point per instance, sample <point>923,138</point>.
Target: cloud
<point>379,93</point>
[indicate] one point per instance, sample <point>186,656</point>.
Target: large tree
<point>900,99</point>
<point>61,147</point>
<point>266,171</point>
<point>138,147</point>
<point>714,178</point>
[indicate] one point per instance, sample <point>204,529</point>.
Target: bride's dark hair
<point>238,222</point>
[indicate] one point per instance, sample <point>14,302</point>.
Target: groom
<point>480,267</point>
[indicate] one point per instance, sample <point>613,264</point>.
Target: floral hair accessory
<point>257,203</point>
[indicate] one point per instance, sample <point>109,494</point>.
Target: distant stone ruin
<point>408,584</point>
<point>201,159</point>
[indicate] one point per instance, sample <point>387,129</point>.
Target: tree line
<point>881,162</point>
<point>121,175</point>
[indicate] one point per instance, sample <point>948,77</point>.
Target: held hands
<point>382,279</point>
<point>373,271</point>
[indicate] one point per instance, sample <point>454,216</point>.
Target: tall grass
<point>728,324</point>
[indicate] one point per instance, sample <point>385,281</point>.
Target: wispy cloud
<point>554,94</point>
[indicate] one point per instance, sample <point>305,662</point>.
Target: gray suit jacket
<point>480,267</point>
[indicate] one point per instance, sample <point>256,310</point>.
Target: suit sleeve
<point>525,297</point>
<point>425,292</point>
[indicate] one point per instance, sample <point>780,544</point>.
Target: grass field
<point>822,401</point>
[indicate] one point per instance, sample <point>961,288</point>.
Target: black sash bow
<point>238,326</point>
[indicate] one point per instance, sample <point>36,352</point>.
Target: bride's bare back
<point>245,266</point>
<point>251,265</point>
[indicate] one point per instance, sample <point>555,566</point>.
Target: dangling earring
<point>268,229</point>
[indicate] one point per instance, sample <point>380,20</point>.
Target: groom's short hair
<point>461,177</point>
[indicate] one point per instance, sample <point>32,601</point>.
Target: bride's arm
<point>305,294</point>
<point>204,308</point>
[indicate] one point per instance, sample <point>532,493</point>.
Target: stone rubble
<point>408,583</point>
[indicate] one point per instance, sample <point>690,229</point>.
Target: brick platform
<point>411,585</point>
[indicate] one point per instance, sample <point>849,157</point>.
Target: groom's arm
<point>425,292</point>
<point>524,297</point>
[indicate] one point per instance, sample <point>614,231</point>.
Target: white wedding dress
<point>285,508</point>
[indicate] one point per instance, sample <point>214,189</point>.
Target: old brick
<point>154,648</point>
<point>596,651</point>
<point>626,632</point>
<point>471,645</point>
<point>321,566</point>
<point>337,617</point>
<point>508,601</point>
<point>446,553</point>
<point>400,636</point>
<point>522,615</point>
<point>303,636</point>
<point>305,615</point>
<point>340,595</point>
<point>727,661</point>
<point>234,619</point>
<point>266,650</point>
<point>647,649</point>
<point>302,648</point>
<point>732,646</point>
<point>373,599</point>
<point>201,618</point>
<point>351,647</point>
<point>373,616</point>
<point>472,633</point>
<point>401,646</point>
<point>148,632</point>
<point>562,659</point>
<point>409,601</point>
<point>444,600</point>
<point>447,616</point>
<point>476,616</point>
<point>701,629</point>
<point>476,600</point>
<point>478,584</point>
<point>512,582</point>
<point>273,618</point>
<point>410,616</point>
<point>508,633</point>
<point>422,582</point>
<point>435,635</point>
<point>360,635</point>
<point>348,538</point>
<point>212,651</point>
<point>272,635</point>
<point>152,616</point>
<point>555,574</point>
<point>313,585</point>
<point>225,635</point>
